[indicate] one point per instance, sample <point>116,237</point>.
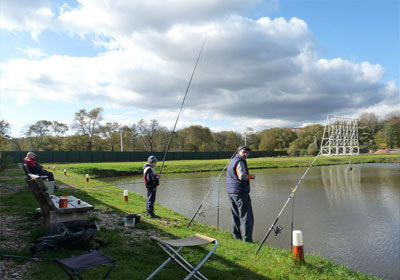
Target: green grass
<point>110,169</point>
<point>137,256</point>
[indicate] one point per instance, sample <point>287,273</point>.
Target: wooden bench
<point>28,173</point>
<point>49,205</point>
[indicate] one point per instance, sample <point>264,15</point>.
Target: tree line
<point>91,134</point>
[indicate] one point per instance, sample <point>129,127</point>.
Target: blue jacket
<point>233,183</point>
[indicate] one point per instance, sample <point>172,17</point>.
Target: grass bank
<point>136,255</point>
<point>111,169</point>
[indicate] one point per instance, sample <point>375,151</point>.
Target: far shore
<point>113,169</point>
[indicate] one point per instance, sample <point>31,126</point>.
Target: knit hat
<point>152,159</point>
<point>30,153</point>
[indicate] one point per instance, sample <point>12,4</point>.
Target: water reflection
<point>351,217</point>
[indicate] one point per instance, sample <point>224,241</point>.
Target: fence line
<point>76,156</point>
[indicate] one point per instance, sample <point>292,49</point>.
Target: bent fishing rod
<point>209,191</point>
<point>284,206</point>
<point>183,102</point>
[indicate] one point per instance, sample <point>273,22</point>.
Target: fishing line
<point>183,102</point>
<point>209,191</point>
<point>278,228</point>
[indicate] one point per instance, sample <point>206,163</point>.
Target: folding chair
<point>195,240</point>
<point>74,265</point>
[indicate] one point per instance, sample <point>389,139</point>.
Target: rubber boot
<point>153,215</point>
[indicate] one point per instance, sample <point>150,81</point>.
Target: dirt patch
<point>10,239</point>
<point>10,270</point>
<point>9,189</point>
<point>107,220</point>
<point>11,232</point>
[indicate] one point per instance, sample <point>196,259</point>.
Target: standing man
<point>151,180</point>
<point>35,168</point>
<point>238,188</point>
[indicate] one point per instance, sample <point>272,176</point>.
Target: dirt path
<point>12,234</point>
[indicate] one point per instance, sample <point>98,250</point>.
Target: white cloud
<point>26,15</point>
<point>253,73</point>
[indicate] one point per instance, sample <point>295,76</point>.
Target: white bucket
<point>131,220</point>
<point>50,187</point>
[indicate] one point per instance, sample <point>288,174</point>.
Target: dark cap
<point>152,159</point>
<point>244,148</point>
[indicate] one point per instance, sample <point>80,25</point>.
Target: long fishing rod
<point>284,206</point>
<point>209,191</point>
<point>183,102</point>
<point>21,257</point>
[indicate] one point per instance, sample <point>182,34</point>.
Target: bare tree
<point>88,124</point>
<point>147,133</point>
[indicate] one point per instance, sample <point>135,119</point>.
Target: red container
<point>63,203</point>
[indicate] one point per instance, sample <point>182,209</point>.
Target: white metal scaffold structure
<point>340,137</point>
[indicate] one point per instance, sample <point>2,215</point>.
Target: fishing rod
<point>22,257</point>
<point>278,228</point>
<point>183,102</point>
<point>209,191</point>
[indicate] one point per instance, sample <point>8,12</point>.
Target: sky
<point>272,63</point>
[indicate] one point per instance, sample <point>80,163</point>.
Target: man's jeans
<point>242,216</point>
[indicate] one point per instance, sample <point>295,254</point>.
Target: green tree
<point>368,126</point>
<point>306,136</point>
<point>197,138</point>
<point>87,124</point>
<point>227,140</point>
<point>111,133</point>
<point>42,134</point>
<point>253,139</point>
<point>4,130</point>
<point>391,130</point>
<point>277,139</point>
<point>74,143</point>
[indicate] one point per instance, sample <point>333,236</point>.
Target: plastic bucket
<point>50,186</point>
<point>131,220</point>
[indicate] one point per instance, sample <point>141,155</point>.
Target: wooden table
<point>73,203</point>
<point>75,210</point>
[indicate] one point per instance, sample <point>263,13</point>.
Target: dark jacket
<point>33,166</point>
<point>150,176</point>
<point>234,184</point>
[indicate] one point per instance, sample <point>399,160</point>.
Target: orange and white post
<point>298,251</point>
<point>87,178</point>
<point>126,195</point>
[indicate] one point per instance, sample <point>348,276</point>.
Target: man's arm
<point>241,172</point>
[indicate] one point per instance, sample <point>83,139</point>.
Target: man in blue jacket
<point>151,180</point>
<point>238,188</point>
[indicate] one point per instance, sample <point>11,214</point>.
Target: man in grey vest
<point>238,188</point>
<point>151,180</point>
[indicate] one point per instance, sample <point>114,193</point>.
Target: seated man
<point>36,168</point>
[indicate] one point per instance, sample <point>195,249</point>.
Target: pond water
<point>351,217</point>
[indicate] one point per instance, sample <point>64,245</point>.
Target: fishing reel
<point>277,230</point>
<point>202,213</point>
